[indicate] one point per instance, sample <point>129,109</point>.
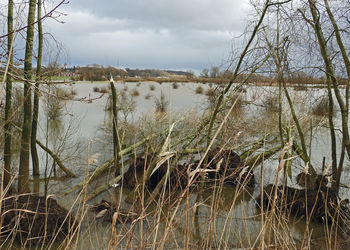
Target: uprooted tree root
<point>225,165</point>
<point>32,219</point>
<point>317,205</point>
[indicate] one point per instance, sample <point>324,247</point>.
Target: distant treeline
<point>97,72</point>
<point>101,73</point>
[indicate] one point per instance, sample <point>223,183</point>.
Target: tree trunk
<point>346,60</point>
<point>343,105</point>
<point>330,73</point>
<point>8,104</point>
<point>115,127</point>
<point>35,158</point>
<point>23,176</point>
<point>332,130</point>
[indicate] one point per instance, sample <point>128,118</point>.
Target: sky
<point>163,34</point>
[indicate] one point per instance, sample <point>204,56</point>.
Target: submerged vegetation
<point>161,104</point>
<point>199,90</point>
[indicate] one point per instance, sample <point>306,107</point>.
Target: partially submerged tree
<point>306,36</point>
<point>23,178</point>
<point>35,158</point>
<point>8,104</point>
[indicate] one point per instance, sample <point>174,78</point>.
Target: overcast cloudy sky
<point>166,34</point>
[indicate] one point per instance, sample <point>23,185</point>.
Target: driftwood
<point>106,210</point>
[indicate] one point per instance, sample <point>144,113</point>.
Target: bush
<point>321,108</point>
<point>210,92</point>
<point>152,88</point>
<point>161,104</point>
<point>175,85</point>
<point>199,90</point>
<point>270,103</point>
<point>135,93</point>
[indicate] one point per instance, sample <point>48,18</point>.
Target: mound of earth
<point>32,219</point>
<point>230,168</point>
<point>317,205</point>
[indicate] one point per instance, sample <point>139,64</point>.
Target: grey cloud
<point>150,33</point>
<point>176,14</point>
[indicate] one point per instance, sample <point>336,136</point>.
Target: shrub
<point>321,108</point>
<point>270,103</point>
<point>135,93</point>
<point>199,90</point>
<point>210,92</point>
<point>161,104</point>
<point>152,88</point>
<point>175,85</point>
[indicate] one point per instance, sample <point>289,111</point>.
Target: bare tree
<point>23,178</point>
<point>35,158</point>
<point>8,104</point>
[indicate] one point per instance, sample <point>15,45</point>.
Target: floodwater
<point>237,222</point>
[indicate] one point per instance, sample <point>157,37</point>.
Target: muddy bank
<point>32,220</point>
<point>320,204</point>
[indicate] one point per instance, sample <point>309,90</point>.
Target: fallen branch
<point>52,154</point>
<point>56,159</point>
<point>109,163</point>
<point>257,159</point>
